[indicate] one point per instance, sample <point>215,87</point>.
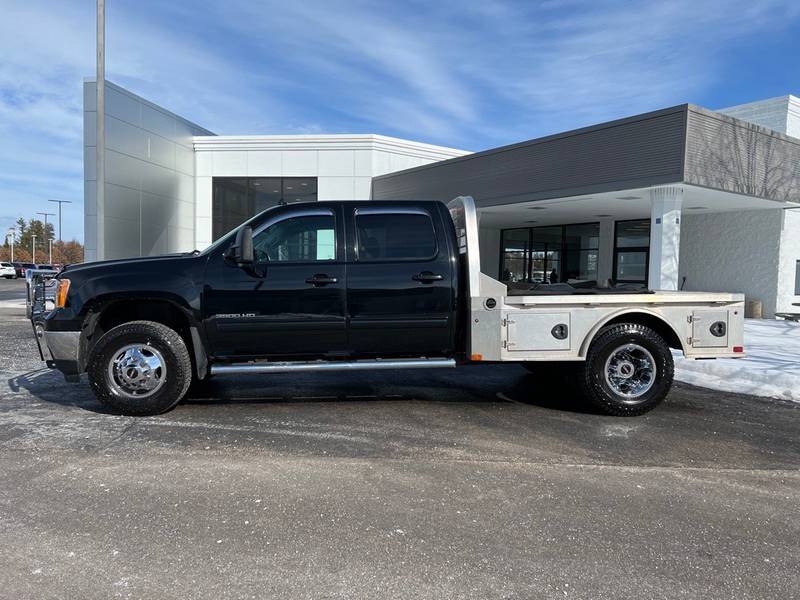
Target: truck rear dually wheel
<point>628,370</point>
<point>140,368</point>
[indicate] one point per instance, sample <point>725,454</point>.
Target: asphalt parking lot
<point>482,482</point>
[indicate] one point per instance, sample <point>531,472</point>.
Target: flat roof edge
<point>324,141</point>
<point>150,103</point>
<point>680,108</point>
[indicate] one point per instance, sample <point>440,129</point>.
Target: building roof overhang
<point>683,144</point>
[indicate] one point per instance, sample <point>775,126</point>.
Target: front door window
<point>305,237</point>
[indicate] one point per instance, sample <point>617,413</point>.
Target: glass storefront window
<point>546,256</point>
<point>633,234</point>
<point>632,251</point>
<point>560,253</point>
<point>515,254</point>
<point>581,245</point>
<point>236,199</point>
<point>632,267</point>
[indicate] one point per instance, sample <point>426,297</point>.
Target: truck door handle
<point>427,277</point>
<point>321,279</point>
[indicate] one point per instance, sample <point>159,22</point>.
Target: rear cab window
<point>394,234</point>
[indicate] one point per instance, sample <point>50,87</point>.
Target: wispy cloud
<point>471,74</point>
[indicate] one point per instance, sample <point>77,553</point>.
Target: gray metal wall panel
<point>732,155</point>
<point>149,192</point>
<point>634,152</point>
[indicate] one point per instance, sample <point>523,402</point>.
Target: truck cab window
<point>388,236</point>
<point>303,238</point>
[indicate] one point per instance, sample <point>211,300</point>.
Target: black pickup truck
<point>354,285</point>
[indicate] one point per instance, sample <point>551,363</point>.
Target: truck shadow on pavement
<point>468,385</point>
<point>49,386</point>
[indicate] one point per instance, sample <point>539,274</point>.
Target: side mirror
<point>242,250</point>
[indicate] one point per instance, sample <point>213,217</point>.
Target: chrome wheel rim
<point>630,372</point>
<point>136,371</point>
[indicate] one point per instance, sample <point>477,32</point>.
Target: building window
<point>581,252</point>
<point>236,199</point>
<point>632,251</point>
<point>515,255</point>
<point>560,253</point>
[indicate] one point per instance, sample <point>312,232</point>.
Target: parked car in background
<point>7,270</point>
<point>21,268</point>
<point>46,267</point>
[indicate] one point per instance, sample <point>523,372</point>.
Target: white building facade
<point>316,167</point>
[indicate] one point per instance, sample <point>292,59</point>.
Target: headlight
<point>61,292</point>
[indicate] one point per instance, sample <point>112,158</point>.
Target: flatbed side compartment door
<point>710,328</point>
<point>534,331</point>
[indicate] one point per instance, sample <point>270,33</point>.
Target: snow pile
<point>771,368</point>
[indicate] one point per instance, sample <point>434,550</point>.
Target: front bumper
<point>59,349</point>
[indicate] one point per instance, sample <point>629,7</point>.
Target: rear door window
<point>394,235</point>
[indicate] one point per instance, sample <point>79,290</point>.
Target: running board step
<point>362,365</point>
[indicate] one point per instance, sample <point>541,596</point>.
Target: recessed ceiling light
<point>696,208</point>
<point>628,198</point>
<point>288,187</point>
<point>303,183</point>
<point>276,191</point>
<point>256,183</point>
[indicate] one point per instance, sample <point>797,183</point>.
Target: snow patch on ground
<point>771,368</point>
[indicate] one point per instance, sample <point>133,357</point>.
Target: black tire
<point>597,387</point>
<point>176,373</point>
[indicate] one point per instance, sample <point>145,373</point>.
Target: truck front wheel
<point>140,368</point>
<point>628,370</point>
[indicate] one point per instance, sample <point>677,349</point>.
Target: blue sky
<point>467,74</point>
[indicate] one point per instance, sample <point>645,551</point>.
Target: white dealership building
<point>682,197</point>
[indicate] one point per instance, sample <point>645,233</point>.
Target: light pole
<point>33,248</point>
<point>46,214</point>
<point>100,152</point>
<point>60,202</point>
<point>50,253</point>
<point>11,233</point>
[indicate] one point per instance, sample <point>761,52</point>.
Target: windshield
<point>228,237</point>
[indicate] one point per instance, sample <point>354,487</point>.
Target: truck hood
<point>102,265</point>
